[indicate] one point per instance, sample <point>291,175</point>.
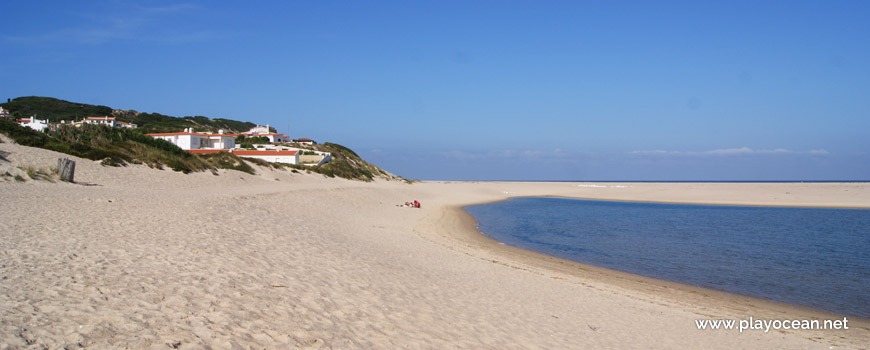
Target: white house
<point>110,121</point>
<point>126,124</point>
<point>33,123</point>
<point>305,156</point>
<point>189,140</point>
<point>260,130</point>
<point>274,137</point>
<point>4,112</point>
<point>275,156</point>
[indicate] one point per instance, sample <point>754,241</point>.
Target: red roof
<point>206,151</point>
<point>100,118</point>
<point>176,133</point>
<point>269,134</point>
<point>304,140</point>
<point>188,133</point>
<point>265,153</point>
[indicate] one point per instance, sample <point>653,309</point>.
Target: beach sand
<point>133,257</point>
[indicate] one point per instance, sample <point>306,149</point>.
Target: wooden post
<point>66,169</point>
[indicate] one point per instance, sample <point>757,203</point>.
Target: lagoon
<point>811,257</point>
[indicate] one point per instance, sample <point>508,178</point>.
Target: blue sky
<point>484,90</point>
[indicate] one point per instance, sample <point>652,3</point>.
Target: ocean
<point>812,257</point>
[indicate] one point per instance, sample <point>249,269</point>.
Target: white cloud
<point>124,22</point>
<point>529,154</point>
<point>654,152</point>
<point>172,8</point>
<point>728,152</point>
<point>460,155</point>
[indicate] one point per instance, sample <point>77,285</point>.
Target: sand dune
<point>134,257</point>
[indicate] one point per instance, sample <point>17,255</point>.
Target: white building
<point>189,140</point>
<point>275,156</point>
<point>4,112</point>
<point>33,123</point>
<point>109,121</point>
<point>260,130</point>
<point>126,124</point>
<point>275,137</point>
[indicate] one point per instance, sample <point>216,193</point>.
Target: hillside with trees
<point>122,146</point>
<point>56,110</point>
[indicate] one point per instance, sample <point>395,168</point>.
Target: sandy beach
<point>138,258</point>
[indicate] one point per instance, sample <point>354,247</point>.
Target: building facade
<point>264,131</point>
<point>108,121</point>
<point>33,123</point>
<point>275,156</point>
<point>190,140</point>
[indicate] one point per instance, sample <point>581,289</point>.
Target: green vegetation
<point>245,140</point>
<point>38,174</point>
<point>226,160</point>
<point>53,109</point>
<point>347,164</point>
<point>120,146</point>
<point>156,122</point>
<point>31,172</point>
<point>264,163</point>
<point>56,110</point>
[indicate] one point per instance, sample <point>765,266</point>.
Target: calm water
<point>818,258</point>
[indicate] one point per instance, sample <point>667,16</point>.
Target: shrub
<point>226,160</point>
<point>247,140</point>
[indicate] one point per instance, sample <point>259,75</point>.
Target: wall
<point>310,159</point>
<point>277,159</point>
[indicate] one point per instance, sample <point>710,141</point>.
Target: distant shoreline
<point>807,206</point>
<point>664,181</point>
